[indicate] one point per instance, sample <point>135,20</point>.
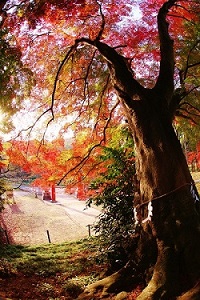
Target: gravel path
<point>28,221</point>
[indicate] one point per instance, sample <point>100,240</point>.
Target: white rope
<point>150,207</point>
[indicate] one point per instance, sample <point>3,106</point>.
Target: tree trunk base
<point>100,288</point>
<point>110,287</point>
<point>117,285</point>
<point>170,278</point>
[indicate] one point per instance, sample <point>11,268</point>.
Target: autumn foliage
<point>100,65</point>
<point>92,109</point>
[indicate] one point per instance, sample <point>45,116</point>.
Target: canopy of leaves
<point>45,29</point>
<point>72,78</point>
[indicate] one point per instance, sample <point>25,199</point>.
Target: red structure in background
<point>53,193</point>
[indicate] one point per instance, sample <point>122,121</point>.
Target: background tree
<point>38,162</point>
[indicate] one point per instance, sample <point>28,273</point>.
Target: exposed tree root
<point>163,284</point>
<point>102,285</point>
<point>166,282</point>
<point>119,281</point>
<point>154,292</point>
<point>116,285</point>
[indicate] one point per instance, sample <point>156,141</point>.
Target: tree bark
<point>165,180</point>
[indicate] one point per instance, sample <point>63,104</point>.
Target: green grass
<point>50,271</point>
<point>50,259</point>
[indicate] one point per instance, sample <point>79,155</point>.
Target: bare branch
<point>178,96</point>
<point>109,119</point>
<point>121,74</point>
<point>82,161</point>
<point>185,114</point>
<point>78,166</point>
<point>99,36</point>
<point>188,58</point>
<point>181,17</point>
<point>194,65</point>
<point>101,96</point>
<point>31,127</point>
<point>197,114</point>
<point>67,56</point>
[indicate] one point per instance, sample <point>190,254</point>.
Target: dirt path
<point>28,221</point>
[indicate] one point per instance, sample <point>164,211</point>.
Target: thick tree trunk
<point>173,232</point>
<point>165,181</point>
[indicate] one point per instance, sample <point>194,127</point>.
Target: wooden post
<point>89,229</point>
<point>48,235</point>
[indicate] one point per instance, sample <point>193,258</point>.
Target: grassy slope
<point>52,271</point>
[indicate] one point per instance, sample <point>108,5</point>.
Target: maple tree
<point>110,65</point>
<point>39,162</point>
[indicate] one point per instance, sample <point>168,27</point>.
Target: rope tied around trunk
<point>193,191</point>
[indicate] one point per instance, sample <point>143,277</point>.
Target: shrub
<point>114,193</point>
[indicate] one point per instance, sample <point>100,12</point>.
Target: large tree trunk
<point>174,227</point>
<point>165,181</point>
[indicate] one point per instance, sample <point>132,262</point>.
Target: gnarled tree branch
<point>165,82</point>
